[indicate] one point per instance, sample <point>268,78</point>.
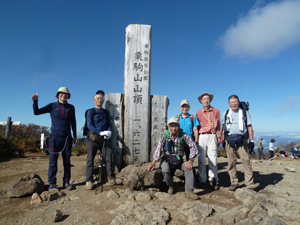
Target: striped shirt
<point>176,150</point>
<point>213,115</point>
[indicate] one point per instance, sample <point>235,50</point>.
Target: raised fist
<point>35,96</point>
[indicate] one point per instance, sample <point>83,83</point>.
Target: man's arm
<point>73,124</point>
<point>250,132</point>
<point>196,133</point>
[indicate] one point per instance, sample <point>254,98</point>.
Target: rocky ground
<point>276,198</point>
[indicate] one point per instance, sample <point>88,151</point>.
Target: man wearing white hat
<point>170,150</point>
<point>209,140</point>
<point>62,119</point>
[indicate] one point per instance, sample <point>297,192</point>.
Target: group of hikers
<point>186,135</point>
<point>62,120</point>
<point>200,136</point>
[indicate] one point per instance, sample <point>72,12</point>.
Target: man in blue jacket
<point>62,119</point>
<point>98,123</point>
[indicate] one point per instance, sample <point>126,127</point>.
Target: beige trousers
<point>245,157</point>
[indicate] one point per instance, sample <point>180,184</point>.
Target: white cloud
<point>42,77</point>
<point>288,105</point>
<point>264,31</point>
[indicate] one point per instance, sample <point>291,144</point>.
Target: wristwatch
<point>251,141</point>
<point>192,159</point>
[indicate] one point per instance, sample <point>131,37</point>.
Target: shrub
<point>80,148</point>
<point>222,152</point>
<point>8,148</point>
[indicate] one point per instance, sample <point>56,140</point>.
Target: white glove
<point>106,134</point>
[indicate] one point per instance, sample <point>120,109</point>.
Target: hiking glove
<point>106,134</point>
<point>251,145</point>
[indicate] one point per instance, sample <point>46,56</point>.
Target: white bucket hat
<point>64,90</point>
<point>173,120</point>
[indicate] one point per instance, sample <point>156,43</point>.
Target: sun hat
<point>64,90</point>
<point>184,102</point>
<point>272,140</point>
<point>173,120</point>
<point>205,93</point>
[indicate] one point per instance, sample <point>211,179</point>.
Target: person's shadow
<point>263,179</point>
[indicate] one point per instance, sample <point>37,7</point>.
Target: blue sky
<point>248,48</point>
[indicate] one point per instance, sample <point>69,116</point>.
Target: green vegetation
<point>22,138</point>
<point>80,148</point>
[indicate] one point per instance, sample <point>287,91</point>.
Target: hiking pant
<point>271,154</point>
<point>188,174</point>
<point>261,154</point>
<point>209,142</point>
<point>92,148</point>
<point>57,144</point>
<point>245,157</point>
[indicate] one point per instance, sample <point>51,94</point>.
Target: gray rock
<point>289,169</point>
<point>162,196</point>
<point>51,195</point>
<point>27,185</point>
<point>35,199</point>
<point>245,195</point>
<point>137,178</point>
<point>133,213</point>
<point>58,216</point>
<point>143,197</point>
<point>113,194</point>
<point>197,212</point>
<point>179,173</point>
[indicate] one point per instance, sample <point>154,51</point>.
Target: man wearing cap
<point>237,128</point>
<point>209,140</point>
<point>62,119</point>
<point>188,123</point>
<point>260,149</point>
<point>170,146</point>
<point>98,123</point>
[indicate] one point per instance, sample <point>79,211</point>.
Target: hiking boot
<point>214,184</point>
<point>52,186</point>
<point>170,190</point>
<point>68,186</point>
<point>233,187</point>
<point>89,185</point>
<point>191,195</point>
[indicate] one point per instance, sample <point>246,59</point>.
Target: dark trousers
<point>92,148</point>
<point>271,154</point>
<point>57,144</point>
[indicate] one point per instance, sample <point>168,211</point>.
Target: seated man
<point>294,149</point>
<point>170,150</point>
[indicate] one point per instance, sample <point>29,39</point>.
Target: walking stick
<point>100,168</point>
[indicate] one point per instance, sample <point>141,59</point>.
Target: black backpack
<point>245,107</point>
<point>85,128</point>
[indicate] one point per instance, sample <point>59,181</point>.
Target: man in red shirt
<point>209,139</point>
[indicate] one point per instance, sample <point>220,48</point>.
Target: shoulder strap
<point>210,122</point>
<point>192,119</point>
<point>226,115</point>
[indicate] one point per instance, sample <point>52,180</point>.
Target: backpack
<point>191,117</point>
<point>181,138</point>
<point>245,107</point>
<point>85,128</point>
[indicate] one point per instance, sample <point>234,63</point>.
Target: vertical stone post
<point>159,115</point>
<point>137,93</point>
<point>114,104</point>
<point>8,128</point>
